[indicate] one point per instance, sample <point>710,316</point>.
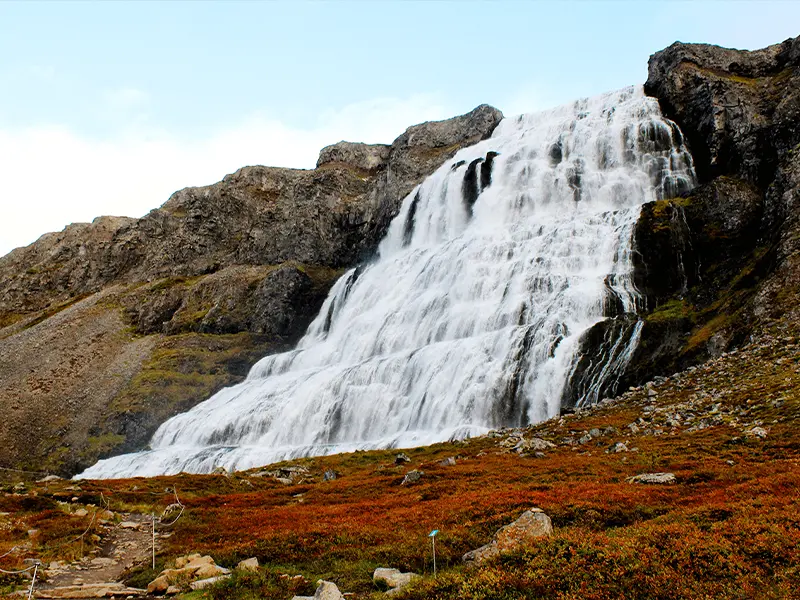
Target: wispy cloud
<point>53,175</point>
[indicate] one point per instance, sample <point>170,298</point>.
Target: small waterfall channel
<point>471,315</point>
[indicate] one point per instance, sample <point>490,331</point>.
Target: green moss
<point>676,308</point>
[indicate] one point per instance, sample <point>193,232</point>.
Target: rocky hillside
<point>108,328</point>
<point>681,489</point>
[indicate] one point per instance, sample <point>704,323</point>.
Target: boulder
<point>202,584</point>
<point>412,477</point>
<point>532,525</point>
<point>327,590</point>
<point>392,578</point>
<point>159,585</point>
<point>653,478</point>
<point>249,564</point>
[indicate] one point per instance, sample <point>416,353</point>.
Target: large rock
<point>249,564</point>
<point>162,311</point>
<point>392,578</point>
<point>193,568</point>
<point>532,525</point>
<point>327,590</point>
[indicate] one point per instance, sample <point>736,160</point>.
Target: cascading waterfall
<point>472,314</point>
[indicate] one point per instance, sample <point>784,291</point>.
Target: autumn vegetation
<point>729,528</point>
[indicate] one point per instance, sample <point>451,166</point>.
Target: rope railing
<point>105,506</point>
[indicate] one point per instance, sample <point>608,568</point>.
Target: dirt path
<point>125,545</point>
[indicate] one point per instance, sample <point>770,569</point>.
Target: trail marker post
<point>432,535</point>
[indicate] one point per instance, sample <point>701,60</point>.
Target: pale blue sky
<point>108,107</point>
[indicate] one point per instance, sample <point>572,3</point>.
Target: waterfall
<point>471,315</point>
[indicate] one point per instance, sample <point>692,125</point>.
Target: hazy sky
<point>109,107</point>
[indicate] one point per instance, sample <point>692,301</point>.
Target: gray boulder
<point>532,525</point>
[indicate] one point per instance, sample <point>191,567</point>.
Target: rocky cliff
<point>723,262</point>
<point>108,328</point>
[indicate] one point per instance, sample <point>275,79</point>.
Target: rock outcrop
<point>109,328</point>
<point>722,261</point>
<point>532,525</point>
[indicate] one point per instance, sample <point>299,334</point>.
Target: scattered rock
<point>758,432</point>
<point>192,567</point>
<point>412,476</point>
<point>450,461</point>
<point>327,590</point>
<point>533,445</point>
<point>202,584</point>
<point>81,512</point>
<point>533,524</point>
<point>619,447</point>
<point>329,475</point>
<point>653,478</point>
<point>392,578</point>
<point>129,525</point>
<point>249,564</point>
<point>401,458</point>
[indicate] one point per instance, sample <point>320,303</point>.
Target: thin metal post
<point>433,541</point>
<point>33,581</point>
<point>153,516</point>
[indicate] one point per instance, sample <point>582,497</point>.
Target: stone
<point>202,584</point>
<point>532,525</point>
<point>758,432</point>
<point>619,447</point>
<point>392,578</point>
<point>401,459</point>
<point>450,461</point>
<point>327,590</point>
<point>129,525</point>
<point>533,445</point>
<point>81,512</point>
<point>249,564</point>
<point>412,477</point>
<point>173,590</point>
<point>182,561</point>
<point>49,479</point>
<point>329,475</point>
<point>653,478</point>
<point>158,586</point>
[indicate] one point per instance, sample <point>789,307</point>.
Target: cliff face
<point>724,261</point>
<point>109,328</point>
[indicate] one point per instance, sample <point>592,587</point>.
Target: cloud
<point>53,175</point>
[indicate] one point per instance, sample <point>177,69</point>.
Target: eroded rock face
<point>162,311</point>
<point>532,525</point>
<point>724,260</point>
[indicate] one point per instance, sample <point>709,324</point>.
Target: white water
<point>465,322</point>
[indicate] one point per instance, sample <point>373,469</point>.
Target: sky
<point>107,108</point>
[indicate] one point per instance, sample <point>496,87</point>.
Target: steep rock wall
<point>724,261</point>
